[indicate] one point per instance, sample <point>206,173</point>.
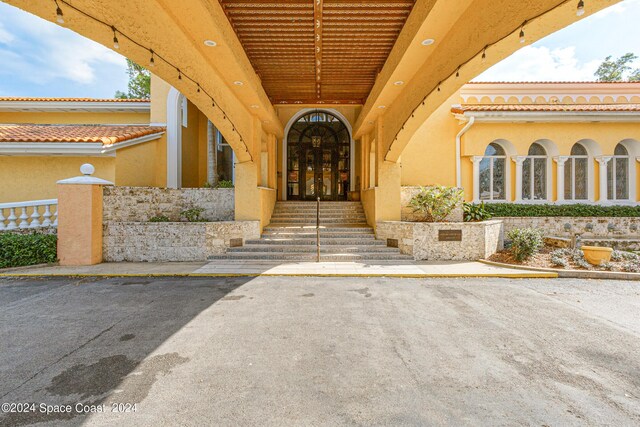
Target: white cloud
<point>5,36</point>
<point>542,64</point>
<point>45,52</point>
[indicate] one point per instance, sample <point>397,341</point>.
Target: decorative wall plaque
<point>450,235</point>
<point>235,243</point>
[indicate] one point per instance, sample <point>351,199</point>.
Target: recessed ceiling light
<point>428,42</point>
<point>382,107</point>
<point>255,106</point>
<point>370,122</point>
<point>238,83</point>
<point>399,83</point>
<point>210,43</point>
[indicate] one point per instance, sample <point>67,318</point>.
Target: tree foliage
<point>139,86</point>
<point>616,70</point>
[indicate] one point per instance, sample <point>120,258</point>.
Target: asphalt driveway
<point>318,351</point>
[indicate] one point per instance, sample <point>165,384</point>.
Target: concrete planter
<point>596,255</point>
<point>447,241</point>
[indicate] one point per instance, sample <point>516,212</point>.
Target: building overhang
<point>550,117</point>
<point>94,149</point>
<point>25,106</point>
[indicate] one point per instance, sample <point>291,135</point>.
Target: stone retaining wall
<point>172,241</point>
<point>139,204</point>
<point>407,213</point>
<point>420,239</point>
<point>585,226</point>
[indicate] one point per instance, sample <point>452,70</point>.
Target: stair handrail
<point>318,231</point>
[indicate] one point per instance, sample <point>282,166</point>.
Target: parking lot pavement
<point>283,351</point>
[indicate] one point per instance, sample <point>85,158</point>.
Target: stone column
<point>560,160</point>
<point>80,218</point>
<point>476,177</point>
<point>604,193</point>
<point>519,160</point>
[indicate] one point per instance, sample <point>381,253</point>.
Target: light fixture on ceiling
<point>255,106</point>
<point>428,42</point>
<point>398,83</point>
<point>238,83</point>
<point>523,39</point>
<point>382,107</point>
<point>210,43</point>
<point>152,60</point>
<point>580,10</point>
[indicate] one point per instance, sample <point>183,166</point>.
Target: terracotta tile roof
<point>105,134</point>
<point>26,99</point>
<point>461,109</point>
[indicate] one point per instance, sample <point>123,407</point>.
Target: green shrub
<point>17,250</point>
<point>436,203</point>
<point>525,242</point>
<point>475,213</point>
<point>576,210</point>
<point>159,218</point>
<point>224,184</point>
<point>193,214</point>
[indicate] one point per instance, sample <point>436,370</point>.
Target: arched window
<point>618,174</point>
<point>534,173</point>
<point>576,174</point>
<point>492,177</point>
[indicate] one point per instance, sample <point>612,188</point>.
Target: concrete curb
<point>571,274</point>
<point>528,275</point>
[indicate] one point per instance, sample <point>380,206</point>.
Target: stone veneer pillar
<point>80,218</point>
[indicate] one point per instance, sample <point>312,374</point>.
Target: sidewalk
<point>230,269</point>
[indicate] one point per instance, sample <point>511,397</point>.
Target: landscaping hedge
<point>18,250</point>
<point>577,210</point>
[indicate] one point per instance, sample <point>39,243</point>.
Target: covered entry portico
<point>391,63</point>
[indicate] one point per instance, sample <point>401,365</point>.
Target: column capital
<point>560,160</point>
<point>519,160</point>
<point>87,170</point>
<point>603,160</point>
<point>476,159</point>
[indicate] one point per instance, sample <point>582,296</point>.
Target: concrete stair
<point>291,236</point>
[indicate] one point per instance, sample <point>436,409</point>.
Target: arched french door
<point>318,158</point>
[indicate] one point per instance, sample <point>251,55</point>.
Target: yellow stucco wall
<point>138,165</point>
<point>190,148</point>
<point>34,178</point>
<point>74,118</point>
<point>429,158</point>
<point>159,91</point>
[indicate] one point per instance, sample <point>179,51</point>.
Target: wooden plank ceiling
<point>317,51</point>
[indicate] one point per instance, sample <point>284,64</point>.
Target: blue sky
<point>39,58</point>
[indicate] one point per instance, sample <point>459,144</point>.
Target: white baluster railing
<point>8,218</point>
